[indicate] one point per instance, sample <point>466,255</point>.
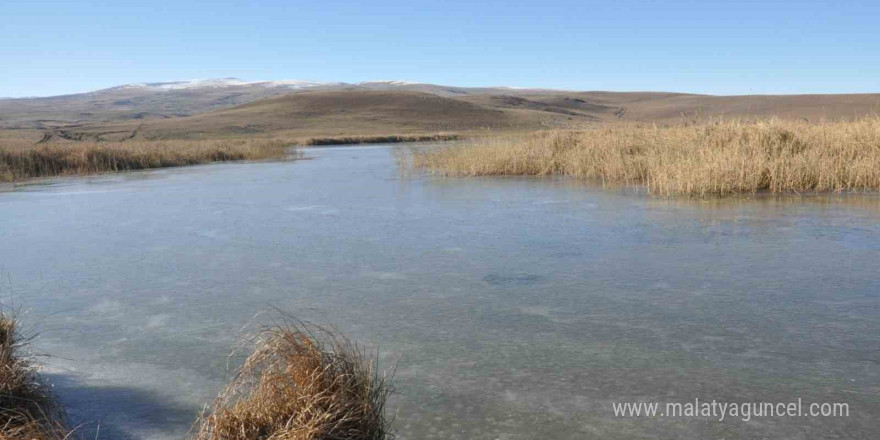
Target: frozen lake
<point>513,308</point>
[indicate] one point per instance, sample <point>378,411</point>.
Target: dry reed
<point>28,408</point>
<point>715,158</point>
<point>300,383</point>
<point>379,139</point>
<point>99,157</point>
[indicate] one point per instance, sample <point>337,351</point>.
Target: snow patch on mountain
<point>388,82</point>
<point>294,83</point>
<point>221,83</point>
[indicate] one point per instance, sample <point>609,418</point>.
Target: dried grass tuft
<point>302,382</point>
<point>28,408</point>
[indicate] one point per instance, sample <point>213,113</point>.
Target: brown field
<point>674,108</point>
<point>415,110</point>
<point>324,114</point>
<point>381,107</point>
<point>20,160</point>
<point>350,113</point>
<point>715,158</point>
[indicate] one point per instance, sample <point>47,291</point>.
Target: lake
<point>513,308</point>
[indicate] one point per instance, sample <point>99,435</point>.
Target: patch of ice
<point>379,275</point>
<point>157,321</point>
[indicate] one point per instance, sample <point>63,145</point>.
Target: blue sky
<point>737,47</point>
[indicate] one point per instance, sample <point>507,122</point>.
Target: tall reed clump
<point>715,158</point>
<point>300,383</point>
<point>28,408</point>
<point>379,139</point>
<point>99,157</point>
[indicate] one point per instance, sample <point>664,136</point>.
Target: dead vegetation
<point>379,139</point>
<point>301,382</point>
<point>18,162</point>
<point>28,408</point>
<point>26,154</point>
<point>709,159</point>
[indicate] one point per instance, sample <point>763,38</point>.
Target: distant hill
<point>225,107</point>
<point>674,107</point>
<point>164,100</point>
<point>142,101</point>
<point>314,113</point>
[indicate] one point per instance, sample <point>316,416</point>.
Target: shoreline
<point>377,139</point>
<point>21,164</point>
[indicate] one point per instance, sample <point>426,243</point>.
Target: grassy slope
<point>810,107</point>
<point>676,107</point>
<point>356,111</point>
<point>334,113</point>
<point>123,103</point>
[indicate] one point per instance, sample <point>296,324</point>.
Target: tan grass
<point>716,158</point>
<point>28,408</point>
<point>69,158</point>
<point>379,139</point>
<point>300,383</point>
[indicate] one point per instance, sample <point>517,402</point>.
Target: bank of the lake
<point>82,158</point>
<point>21,158</point>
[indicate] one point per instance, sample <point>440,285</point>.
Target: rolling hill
<point>232,107</point>
<point>343,112</point>
<point>159,100</point>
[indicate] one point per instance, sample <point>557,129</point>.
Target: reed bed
<point>28,408</point>
<point>300,383</point>
<point>710,159</point>
<point>100,157</point>
<point>379,139</point>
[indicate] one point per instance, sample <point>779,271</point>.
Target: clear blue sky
<point>732,47</point>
